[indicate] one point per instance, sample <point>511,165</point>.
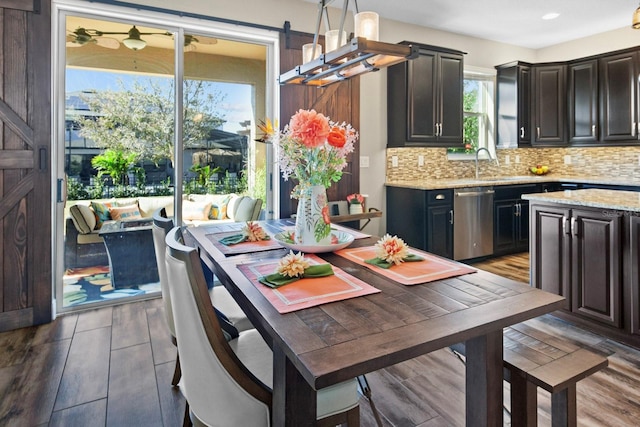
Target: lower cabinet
<point>511,218</point>
<point>577,253</point>
<point>632,275</point>
<point>422,218</point>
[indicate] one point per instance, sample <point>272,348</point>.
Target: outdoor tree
<point>140,119</point>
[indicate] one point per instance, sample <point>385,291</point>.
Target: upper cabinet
<point>549,110</point>
<point>513,105</point>
<point>424,99</point>
<point>588,101</point>
<point>583,101</point>
<point>619,97</point>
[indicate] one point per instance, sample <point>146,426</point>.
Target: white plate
<point>344,240</point>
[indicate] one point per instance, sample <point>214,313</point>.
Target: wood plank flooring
<point>113,367</point>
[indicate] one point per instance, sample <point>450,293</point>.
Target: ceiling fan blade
<point>73,44</point>
<point>108,42</point>
<point>203,40</point>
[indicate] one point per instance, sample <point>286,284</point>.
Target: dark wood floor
<point>113,367</point>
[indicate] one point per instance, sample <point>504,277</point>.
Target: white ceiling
<point>516,22</point>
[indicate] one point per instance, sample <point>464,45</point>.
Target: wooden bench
<point>533,358</point>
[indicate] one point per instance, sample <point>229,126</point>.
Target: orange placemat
<point>306,293</point>
<point>244,247</point>
<point>409,273</point>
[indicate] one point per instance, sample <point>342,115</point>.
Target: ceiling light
<point>134,42</point>
<point>635,23</point>
<point>346,59</point>
<point>550,16</point>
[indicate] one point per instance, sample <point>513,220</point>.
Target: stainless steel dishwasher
<point>473,222</point>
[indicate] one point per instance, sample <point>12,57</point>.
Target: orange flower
<point>310,127</point>
<point>254,232</point>
<point>337,137</point>
<point>325,214</point>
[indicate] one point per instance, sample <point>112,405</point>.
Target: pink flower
<point>254,232</point>
<point>337,137</point>
<point>391,249</point>
<point>310,127</point>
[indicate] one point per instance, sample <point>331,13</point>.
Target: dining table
<point>317,346</point>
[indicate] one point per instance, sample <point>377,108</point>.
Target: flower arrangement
<point>292,265</point>
<point>390,251</point>
<point>254,233</point>
<point>312,149</point>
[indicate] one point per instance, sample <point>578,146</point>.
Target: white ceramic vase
<point>312,217</point>
<point>355,208</point>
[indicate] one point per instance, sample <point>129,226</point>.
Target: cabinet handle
<point>436,128</point>
<point>574,227</point>
<point>440,196</point>
<point>633,128</point>
<point>538,132</point>
<point>564,225</point>
<point>593,130</point>
<point>519,206</point>
<point>522,132</point>
<point>440,134</point>
<point>451,216</point>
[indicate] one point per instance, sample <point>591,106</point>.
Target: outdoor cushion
<point>83,218</point>
<point>195,210</point>
<point>125,213</point>
<point>244,211</point>
<point>101,212</point>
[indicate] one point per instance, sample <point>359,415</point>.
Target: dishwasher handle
<point>474,193</point>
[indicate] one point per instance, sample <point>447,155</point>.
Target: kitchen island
<point>585,246</point>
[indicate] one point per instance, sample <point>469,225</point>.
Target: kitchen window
<point>478,121</point>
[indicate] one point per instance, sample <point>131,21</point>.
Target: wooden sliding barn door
<point>339,101</point>
<point>25,172</point>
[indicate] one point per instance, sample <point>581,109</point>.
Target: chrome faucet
<point>490,158</point>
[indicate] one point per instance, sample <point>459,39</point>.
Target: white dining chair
<point>228,383</point>
<point>219,296</point>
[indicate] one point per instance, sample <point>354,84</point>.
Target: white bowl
<point>344,240</point>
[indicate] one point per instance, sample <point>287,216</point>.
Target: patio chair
<point>229,382</point>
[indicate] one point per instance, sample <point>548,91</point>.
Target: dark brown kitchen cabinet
<point>549,104</point>
<point>424,99</point>
<point>511,218</point>
<point>513,105</point>
<point>619,97</point>
<point>423,219</point>
<point>583,106</point>
<point>576,253</point>
<point>632,273</point>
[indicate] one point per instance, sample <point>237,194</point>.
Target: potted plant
<point>356,203</point>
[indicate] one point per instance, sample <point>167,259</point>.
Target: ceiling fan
<point>83,36</point>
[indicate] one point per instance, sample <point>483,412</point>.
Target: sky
<point>236,105</point>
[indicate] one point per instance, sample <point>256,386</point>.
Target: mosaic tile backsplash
<point>618,162</point>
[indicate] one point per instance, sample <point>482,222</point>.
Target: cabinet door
<point>632,268</point>
<point>440,230</point>
<point>422,98</point>
<point>550,250</point>
<point>504,226</point>
<point>522,226</point>
<point>450,83</point>
<point>618,97</point>
<point>583,102</point>
<point>596,275</point>
<point>406,215</point>
<point>549,104</point>
<point>524,106</point>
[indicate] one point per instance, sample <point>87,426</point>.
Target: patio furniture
<point>132,259</point>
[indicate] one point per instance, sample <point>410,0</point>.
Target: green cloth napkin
<point>384,264</point>
<point>275,280</point>
<point>234,239</point>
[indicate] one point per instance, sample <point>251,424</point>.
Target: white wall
<point>373,132</point>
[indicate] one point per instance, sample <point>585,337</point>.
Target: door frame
<point>179,24</point>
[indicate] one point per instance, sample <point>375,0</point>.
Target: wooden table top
<point>338,341</point>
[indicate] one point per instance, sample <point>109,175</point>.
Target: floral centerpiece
<point>312,149</point>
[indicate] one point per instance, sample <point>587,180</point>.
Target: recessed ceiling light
<point>552,15</point>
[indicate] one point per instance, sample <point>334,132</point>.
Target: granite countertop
<point>613,200</point>
<point>437,184</point>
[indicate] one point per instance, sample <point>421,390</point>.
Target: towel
<point>275,280</point>
<point>384,264</point>
<point>234,239</point>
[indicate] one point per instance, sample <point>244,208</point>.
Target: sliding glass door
<point>150,115</point>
